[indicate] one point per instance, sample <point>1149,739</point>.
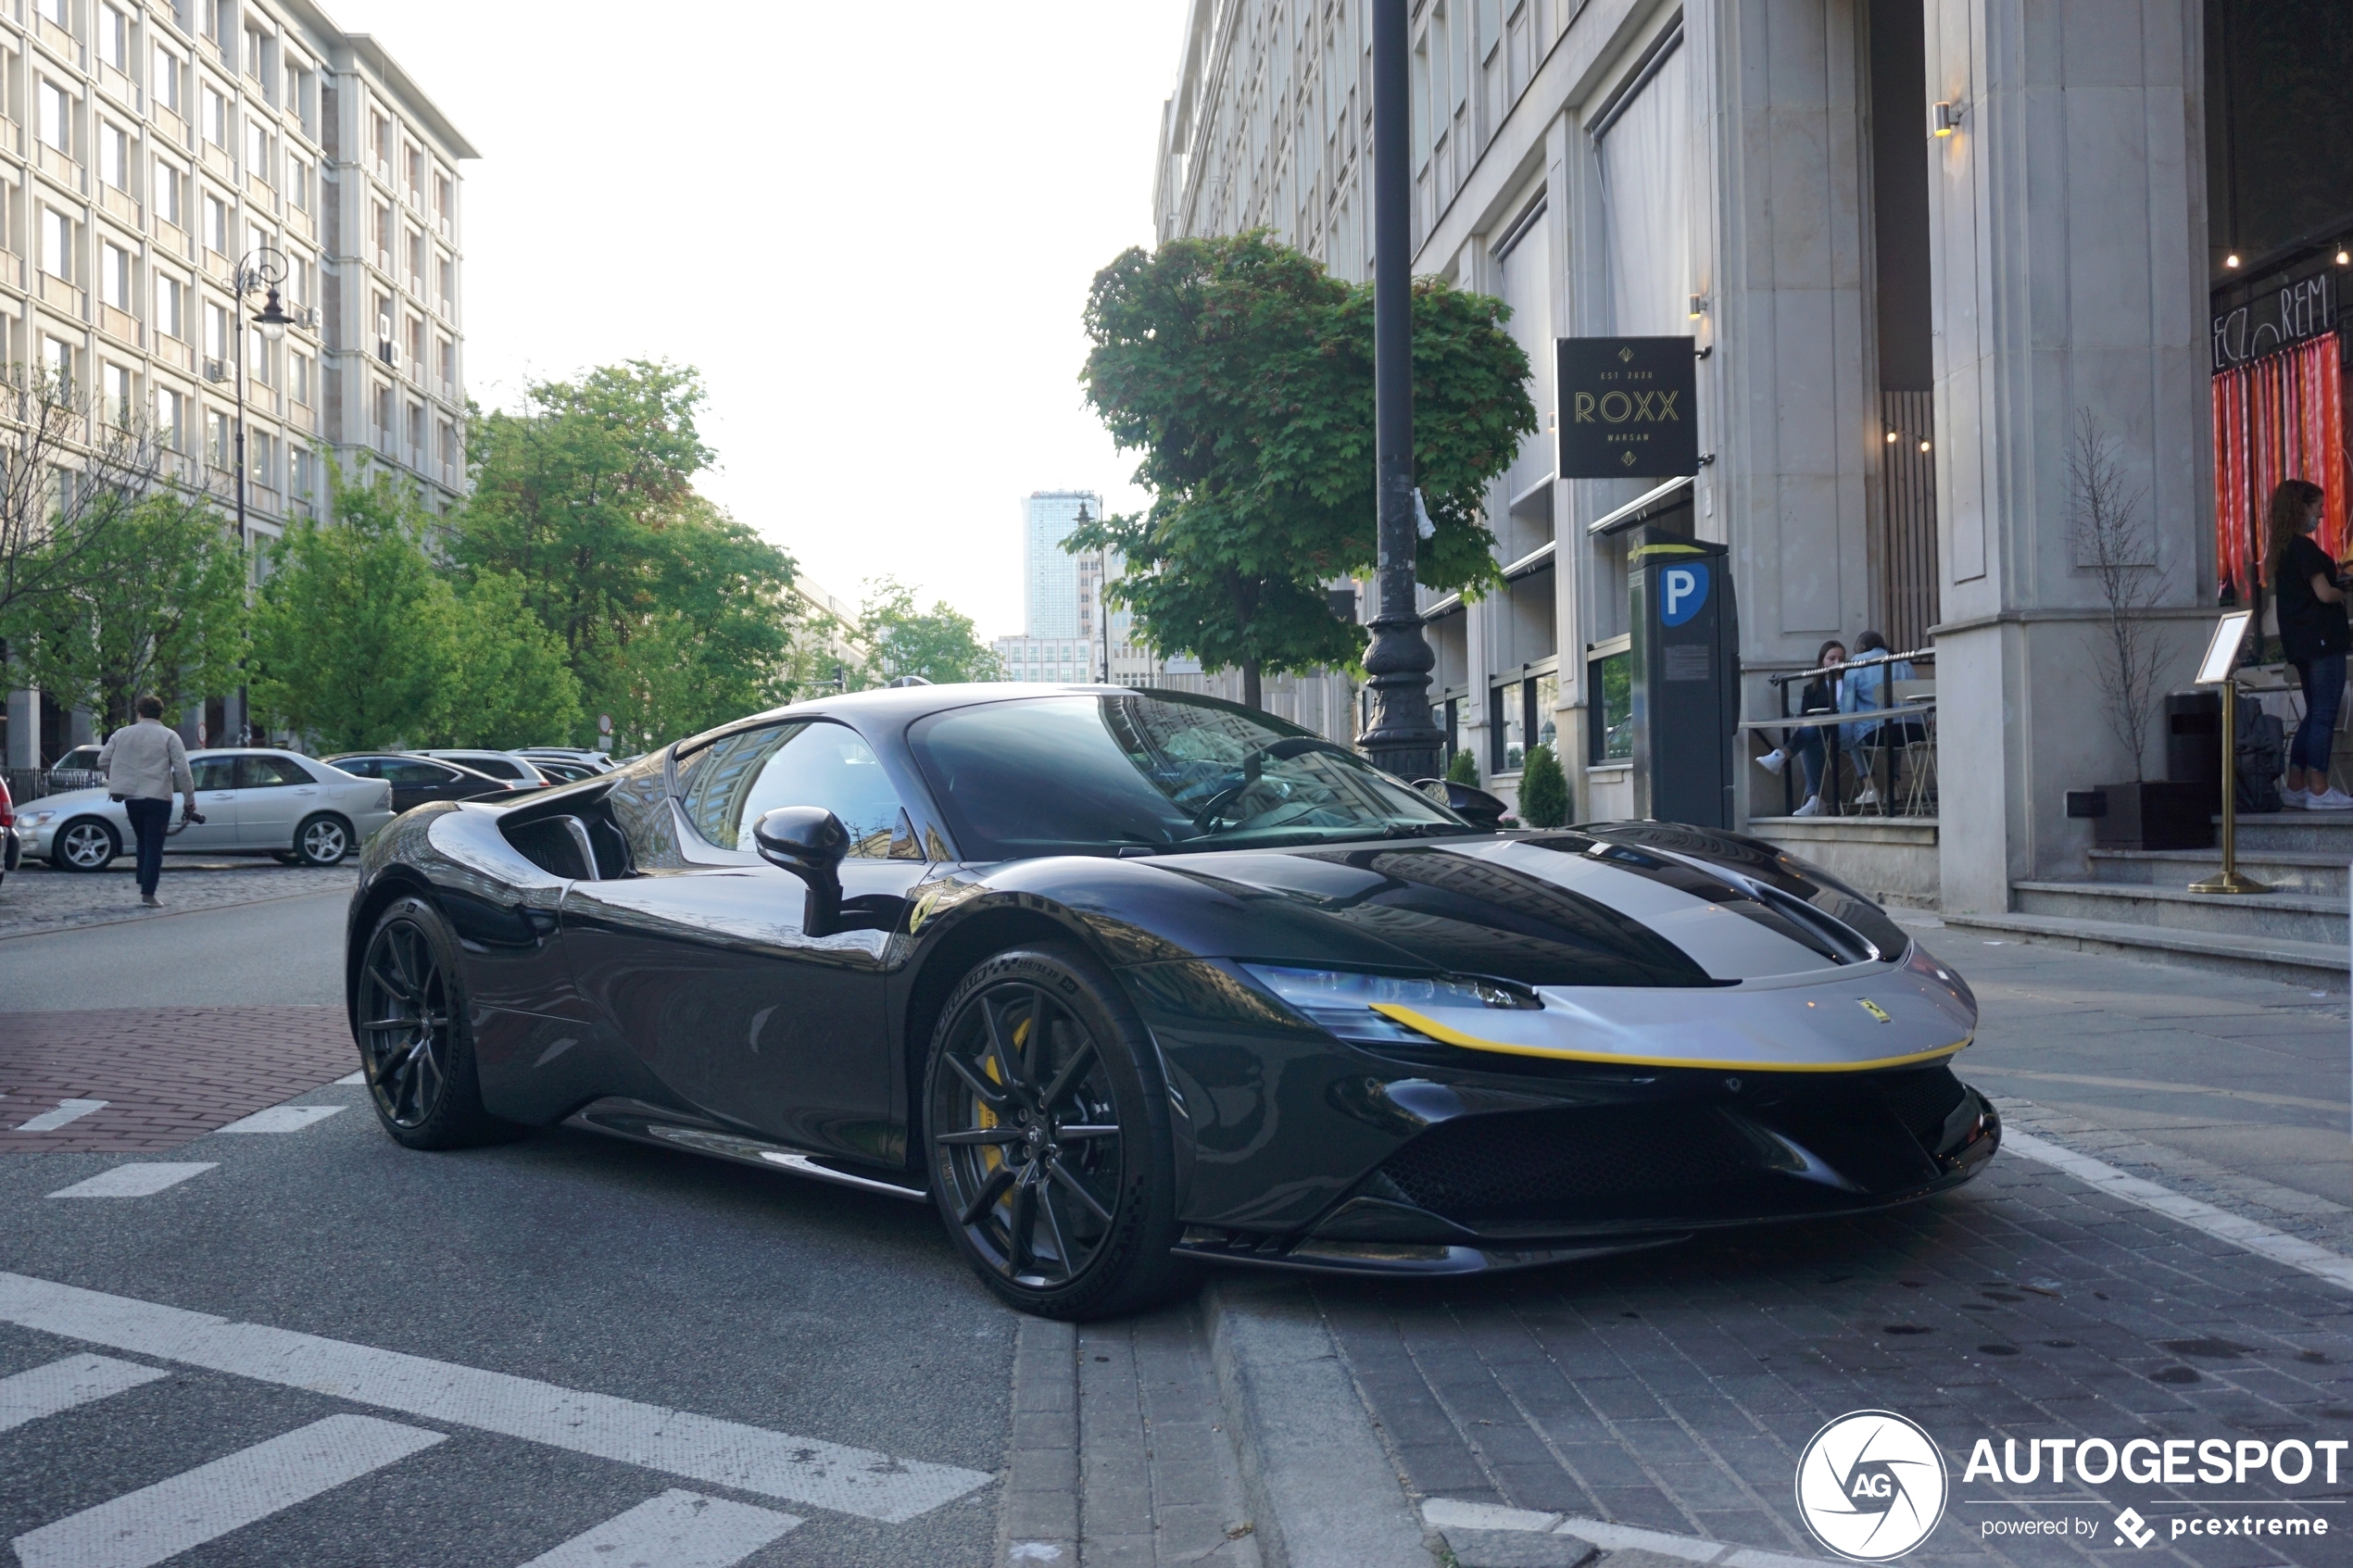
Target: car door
<point>274,795</point>
<point>216,802</point>
<point>415,781</point>
<point>709,972</point>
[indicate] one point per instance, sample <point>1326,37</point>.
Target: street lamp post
<point>1398,736</point>
<point>1102,604</point>
<point>262,271</point>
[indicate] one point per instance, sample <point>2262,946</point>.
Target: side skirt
<point>640,1123</point>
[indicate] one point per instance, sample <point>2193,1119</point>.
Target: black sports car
<point>1119,980</point>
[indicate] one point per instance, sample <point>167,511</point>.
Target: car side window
<point>729,786</point>
<point>216,773</point>
<point>363,766</point>
<point>405,772</point>
<point>269,772</point>
<point>496,766</point>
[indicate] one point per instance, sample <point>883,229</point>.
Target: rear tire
<point>415,1045</point>
<point>1052,1161</point>
<point>86,844</point>
<point>322,840</point>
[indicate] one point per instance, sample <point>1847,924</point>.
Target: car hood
<point>65,800</point>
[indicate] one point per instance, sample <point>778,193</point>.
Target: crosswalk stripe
<point>146,1526</point>
<point>360,1078</point>
<point>281,1119</point>
<point>144,1179</point>
<point>60,1386</point>
<point>693,1447</point>
<point>678,1529</point>
<point>67,1110</point>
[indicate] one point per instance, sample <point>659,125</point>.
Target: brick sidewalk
<point>166,1075</point>
<point>35,899</point>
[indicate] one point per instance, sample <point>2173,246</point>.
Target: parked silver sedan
<point>254,802</point>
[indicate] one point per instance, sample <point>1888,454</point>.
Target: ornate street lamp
<point>262,271</point>
<point>1398,736</point>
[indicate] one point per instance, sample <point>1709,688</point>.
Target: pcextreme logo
<point>1871,1486</point>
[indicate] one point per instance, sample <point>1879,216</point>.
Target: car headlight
<point>34,819</point>
<point>1340,1000</point>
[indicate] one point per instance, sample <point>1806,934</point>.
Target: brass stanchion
<point>2220,667</point>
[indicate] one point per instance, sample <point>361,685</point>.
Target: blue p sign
<point>1682,591</point>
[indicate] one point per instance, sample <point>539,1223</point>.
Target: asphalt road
<point>810,1315</point>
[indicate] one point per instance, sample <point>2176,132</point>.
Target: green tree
<point>672,616</point>
<point>503,680</point>
<point>1463,769</point>
<point>937,645</point>
<point>1543,789</point>
<point>1243,374</point>
<point>154,601</point>
<point>351,628</point>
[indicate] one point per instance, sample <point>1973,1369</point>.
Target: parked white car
<point>253,802</point>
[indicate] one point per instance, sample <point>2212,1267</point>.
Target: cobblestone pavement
<point>142,1079</point>
<point>34,899</point>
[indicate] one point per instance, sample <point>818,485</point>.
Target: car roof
<point>904,705</point>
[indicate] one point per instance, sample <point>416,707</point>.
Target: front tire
<point>322,840</point>
<point>415,1044</point>
<point>85,844</point>
<point>1053,1161</point>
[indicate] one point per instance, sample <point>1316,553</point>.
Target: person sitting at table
<point>1870,687</point>
<point>1805,740</point>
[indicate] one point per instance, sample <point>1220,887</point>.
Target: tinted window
<point>496,766</point>
<point>215,773</point>
<point>362,767</point>
<point>269,772</point>
<point>408,770</point>
<point>1079,774</point>
<point>728,785</point>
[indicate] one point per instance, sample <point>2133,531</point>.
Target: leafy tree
<point>154,601</point>
<point>1463,769</point>
<point>672,616</point>
<point>71,469</point>
<point>937,645</point>
<point>503,680</point>
<point>1543,789</point>
<point>350,630</point>
<point>1243,374</point>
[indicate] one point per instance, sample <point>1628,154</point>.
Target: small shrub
<point>1543,789</point>
<point>1463,769</point>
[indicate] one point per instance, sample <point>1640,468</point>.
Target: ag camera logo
<point>1871,1486</point>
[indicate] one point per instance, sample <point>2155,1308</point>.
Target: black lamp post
<point>1398,736</point>
<point>1102,605</point>
<point>262,271</point>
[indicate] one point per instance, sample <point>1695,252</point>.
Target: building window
<point>379,138</point>
<point>56,109</point>
<point>57,244</point>
<point>298,370</point>
<point>216,224</point>
<point>216,438</point>
<point>449,446</point>
<point>59,11</point>
<point>170,194</point>
<point>417,348</point>
<point>416,260</point>
<point>257,150</point>
<point>114,156</point>
<point>383,326</point>
<point>415,170</point>
<point>448,284</point>
<point>380,226</point>
<point>257,356</point>
<point>114,275</point>
<point>215,117</point>
<point>446,363</point>
<point>215,340</point>
<point>417,430</point>
<point>216,19</point>
<point>298,183</point>
<point>384,418</point>
<point>56,359</point>
<point>165,86</point>
<point>172,297</point>
<point>170,415</point>
<point>114,38</point>
<point>445,195</point>
<point>258,54</point>
<point>306,477</point>
<point>116,385</point>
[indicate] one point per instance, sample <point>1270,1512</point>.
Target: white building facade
<point>147,147</point>
<point>1897,330</point>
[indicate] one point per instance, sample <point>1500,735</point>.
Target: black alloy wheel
<point>322,840</point>
<point>414,1044</point>
<point>84,845</point>
<point>1052,1155</point>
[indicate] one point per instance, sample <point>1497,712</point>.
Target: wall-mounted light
<point>1890,438</point>
<point>2231,260</point>
<point>1947,118</point>
<point>2344,258</point>
<point>1699,305</point>
<point>1923,445</point>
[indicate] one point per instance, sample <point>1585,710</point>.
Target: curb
<point>1323,1492</point>
<point>1038,1511</point>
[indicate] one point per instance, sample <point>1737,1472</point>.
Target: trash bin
<point>2194,742</point>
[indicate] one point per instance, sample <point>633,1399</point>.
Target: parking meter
<point>1686,672</point>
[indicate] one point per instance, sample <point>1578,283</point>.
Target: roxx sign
<point>1626,408</point>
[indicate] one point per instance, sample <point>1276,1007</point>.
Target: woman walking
<point>2313,631</point>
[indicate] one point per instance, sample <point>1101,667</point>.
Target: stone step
<point>2313,966</point>
<point>2292,916</point>
<point>2310,873</point>
<point>2326,832</point>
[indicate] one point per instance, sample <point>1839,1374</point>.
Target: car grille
<point>1536,1165</point>
<point>1921,1100</point>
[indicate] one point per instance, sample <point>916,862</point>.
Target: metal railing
<point>1899,730</point>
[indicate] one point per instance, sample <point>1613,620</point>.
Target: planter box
<point>2155,816</point>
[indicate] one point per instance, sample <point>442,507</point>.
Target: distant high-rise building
<point>1050,578</point>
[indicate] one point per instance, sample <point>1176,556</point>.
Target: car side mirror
<point>810,842</point>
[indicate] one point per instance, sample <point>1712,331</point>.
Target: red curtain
<point>2280,417</point>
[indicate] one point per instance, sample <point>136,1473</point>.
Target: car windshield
<point>1160,771</point>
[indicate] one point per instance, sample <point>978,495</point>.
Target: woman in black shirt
<point>2314,633</point>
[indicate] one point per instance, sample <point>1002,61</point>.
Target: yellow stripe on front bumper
<point>1451,1036</point>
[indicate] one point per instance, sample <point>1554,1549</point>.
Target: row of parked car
<point>265,800</point>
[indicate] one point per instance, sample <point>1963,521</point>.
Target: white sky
<point>871,226</point>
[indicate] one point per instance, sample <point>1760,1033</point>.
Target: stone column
<point>24,727</point>
<point>2068,228</point>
